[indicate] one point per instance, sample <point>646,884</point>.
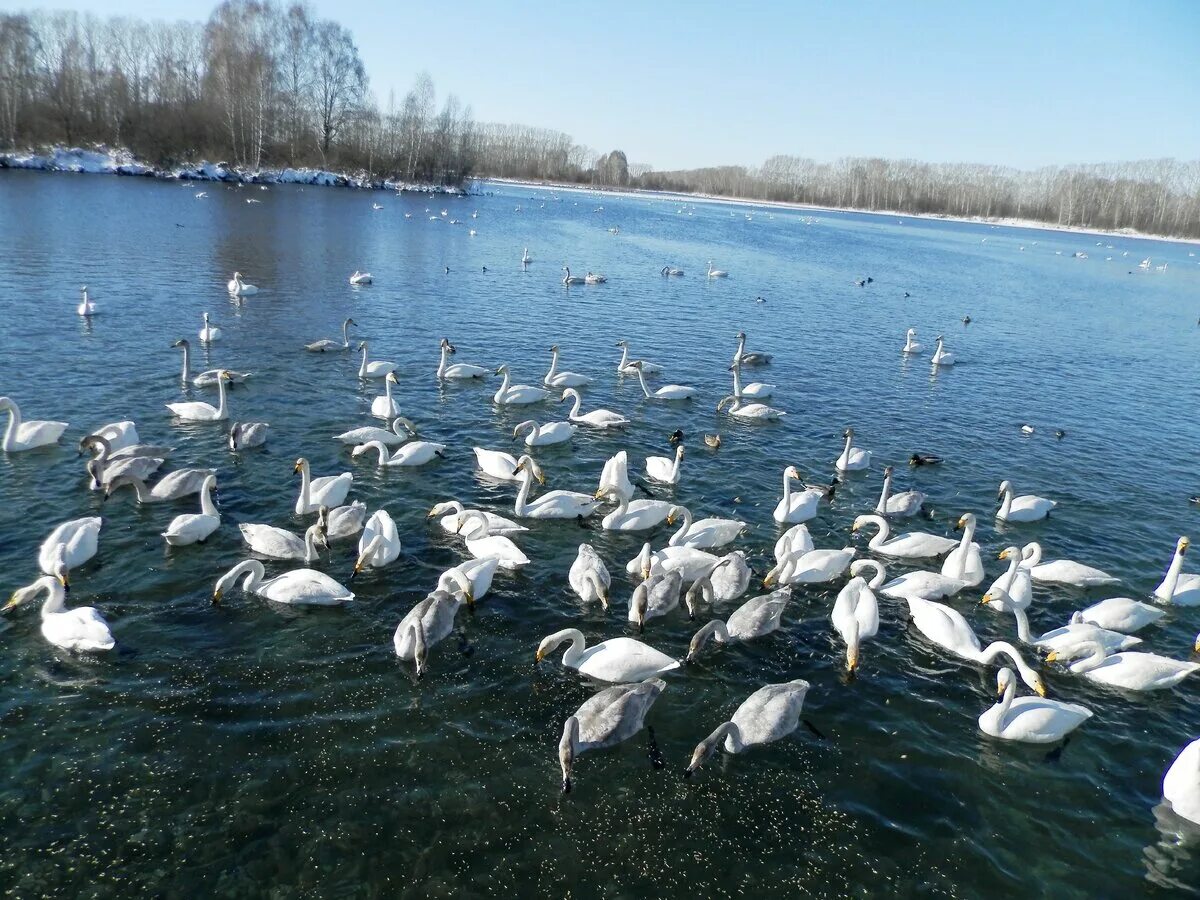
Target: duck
<point>239,288</point>
<point>245,435</point>
<point>551,505</point>
<point>1178,587</point>
<point>911,345</point>
<point>704,534</point>
<point>750,412</point>
<point>544,435</point>
<point>208,377</point>
<point>570,279</point>
<point>482,544</point>
<point>665,469</point>
<point>342,522</point>
<point>942,356</point>
<point>1062,571</point>
<point>209,332</point>
<point>755,390</point>
<point>606,718</point>
<point>426,624</point>
<point>614,478</point>
<point>615,660</point>
<point>757,617</point>
<point>448,511</point>
<point>329,490</point>
<point>1026,508</point>
<point>856,610</point>
<point>742,358</point>
<point>557,379</point>
<point>964,563</point>
<point>384,406</point>
<point>688,561</point>
<point>1181,783</point>
<point>667,391</point>
<point>1129,670</point>
<point>811,567</point>
<point>626,365</point>
<point>299,587</point>
<point>655,597</point>
<point>596,418</point>
<point>87,306</point>
<point>713,441</point>
<point>924,459</point>
<point>21,435</point>
<point>716,273</point>
<point>373,368</point>
<point>1122,614</point>
<point>279,543</point>
<point>796,507</point>
<point>588,577</point>
<point>904,504</point>
<point>68,546</point>
<point>457,371</point>
<point>79,630</point>
<point>853,459</point>
<point>769,714</point>
<point>379,544</point>
<point>328,345</point>
<point>1030,720</point>
<point>402,430</point>
<point>517,394</point>
<point>414,453</point>
<point>192,528</point>
<point>361,278</point>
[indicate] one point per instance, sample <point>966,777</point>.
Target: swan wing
<point>770,713</point>
<point>944,626</point>
<point>305,586</point>
<point>616,713</point>
<point>624,659</point>
<point>268,540</point>
<point>83,628</point>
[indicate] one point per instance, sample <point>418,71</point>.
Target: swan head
<point>848,433</point>
<point>791,472</point>
<point>566,751</point>
<point>1182,545</point>
<point>300,466</point>
<point>674,513</point>
<point>1009,552</point>
<point>1004,678</point>
<point>912,332</point>
<point>391,378</point>
<point>502,368</point>
<point>362,345</point>
<point>966,520</point>
<point>1005,486</point>
<point>182,342</point>
<point>527,464</point>
<point>622,343</point>
<point>554,348</point>
<point>741,335</point>
<point>939,338</point>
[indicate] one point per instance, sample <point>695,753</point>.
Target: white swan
<point>909,545</point>
<point>448,511</point>
<point>1178,587</point>
<point>853,459</point>
<point>1131,670</point>
<point>458,371</point>
<point>517,394</point>
<point>798,507</point>
<point>526,259</point>
<point>1074,632</point>
<point>942,356</point>
<point>343,522</point>
<point>614,478</point>
<point>946,628</point>
<point>171,486</point>
<point>911,345</point>
<point>606,718</point>
<point>326,345</point>
<point>757,617</point>
<point>551,505</point>
<point>750,412</point>
<point>414,453</point>
<point>617,659</point>
<point>795,539</point>
<point>384,406</point>
<point>1062,571</point>
<point>1012,590</point>
<point>191,528</point>
<point>329,490</point>
<point>655,597</point>
<point>597,418</point>
<point>402,429</point>
<point>1026,508</point>
<point>626,365</point>
<point>120,436</point>
<point>209,332</point>
<point>904,504</point>
<point>594,278</point>
<point>69,546</point>
<point>361,278</point>
<point>588,577</point>
<point>922,584</point>
<point>244,435</point>
<point>555,378</point>
<point>299,587</point>
<point>964,563</point>
<point>769,714</point>
<point>667,391</point>
<point>811,567</point>
<point>665,469</point>
<point>728,579</point>
<point>199,411</point>
<point>500,465</point>
<point>754,358</point>
<point>279,543</point>
<point>856,611</point>
<point>568,278</point>
<point>473,578</point>
<point>373,368</point>
<point>86,306</point>
<point>426,624</point>
<point>1181,783</point>
<point>716,273</point>
<point>482,544</point>
<point>208,377</point>
<point>379,544</point>
<point>544,435</point>
<point>104,470</point>
<point>634,515</point>
<point>704,533</point>
<point>79,630</point>
<point>22,435</point>
<point>1031,720</point>
<point>240,288</point>
<point>1122,614</point>
<point>755,390</point>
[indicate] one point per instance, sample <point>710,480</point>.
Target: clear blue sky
<point>681,84</point>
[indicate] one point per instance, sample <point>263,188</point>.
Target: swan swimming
<point>704,534</point>
<point>68,546</point>
<point>208,377</point>
<point>373,368</point>
<point>551,505</point>
<point>755,390</point>
<point>1130,670</point>
<point>606,718</point>
<point>1062,571</point>
<point>904,504</point>
<point>279,543</point>
<point>626,365</point>
<point>911,345</point>
<point>617,659</point>
<point>596,418</point>
<point>1178,587</point>
<point>1031,720</point>
<point>757,617</point>
<point>856,610</point>
<point>853,459</point>
<point>402,430</point>
<point>716,273</point>
<point>664,469</point>
<point>544,435</point>
<point>238,287</point>
<point>588,577</point>
<point>769,714</point>
<point>655,597</point>
<point>447,513</point>
<point>244,435</point>
<point>379,545</point>
<point>942,356</point>
<point>666,392</point>
<point>750,412</point>
<point>79,630</point>
<point>457,371</point>
<point>426,624</point>
<point>964,563</point>
<point>87,306</point>
<point>482,544</point>
<point>795,507</point>
<point>753,358</point>
<point>209,332</point>
<point>517,394</point>
<point>555,378</point>
<point>192,528</point>
<point>199,411</point>
<point>329,490</point>
<point>299,587</point>
<point>614,477</point>
<point>1026,508</point>
<point>21,435</point>
<point>690,562</point>
<point>909,545</point>
<point>414,453</point>
<point>384,406</point>
<point>327,345</point>
<point>361,278</point>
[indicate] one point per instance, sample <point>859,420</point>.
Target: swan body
<point>1063,571</point>
<point>755,390</point>
<point>472,579</point>
<point>103,471</point>
<point>551,505</point>
<point>384,406</point>
<point>21,435</point>
<point>208,377</point>
<point>118,436</point>
<point>458,371</point>
<point>245,435</point>
<point>589,577</point>
<point>636,515</point>
<point>79,630</point>
<point>923,585</point>
<point>557,379</point>
<point>626,365</point>
<point>750,412</point>
<point>703,533</point>
<point>209,332</point>
<point>812,567</point>
<point>1078,631</point>
<point>1014,589</point>
<point>328,345</point>
<point>373,368</point>
<point>909,545</point>
<point>1026,508</point>
<point>615,660</point>
<point>361,278</point>
<point>666,392</point>
<point>239,288</point>
<point>482,544</point>
<point>379,544</point>
<point>171,486</point>
<point>769,714</point>
<point>279,543</point>
<point>688,561</point>
<point>964,563</point>
<point>904,504</point>
<point>942,356</point>
<point>856,610</point>
<point>655,597</point>
<point>1031,720</point>
<point>1122,614</point>
<point>1178,587</point>
<point>757,617</point>
<point>664,469</point>
<point>497,464</point>
<point>1129,670</point>
<point>517,394</point>
<point>568,278</point>
<point>729,578</point>
<point>87,306</point>
<point>795,540</point>
<point>606,718</point>
<point>329,490</point>
<point>716,273</point>
<point>526,259</point>
<point>597,418</point>
<point>299,587</point>
<point>614,478</point>
<point>797,507</point>
<point>69,546</point>
<point>448,511</point>
<point>853,459</point>
<point>192,528</point>
<point>414,453</point>
<point>402,429</point>
<point>199,411</point>
<point>1181,783</point>
<point>911,344</point>
<point>594,278</point>
<point>343,521</point>
<point>545,435</point>
<point>424,625</point>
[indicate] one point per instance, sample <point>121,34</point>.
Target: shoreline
<point>1029,224</point>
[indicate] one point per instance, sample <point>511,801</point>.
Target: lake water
<point>249,749</point>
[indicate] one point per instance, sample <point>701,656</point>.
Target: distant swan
<point>209,376</point>
<point>209,332</point>
<point>568,278</point>
<point>86,306</point>
<point>626,365</point>
<point>942,356</point>
<point>750,412</point>
<point>716,273</point>
<point>279,543</point>
<point>240,288</point>
<point>327,345</point>
<point>911,345</point>
<point>361,278</point>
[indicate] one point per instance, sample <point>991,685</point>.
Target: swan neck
<point>187,362</point>
<point>441,369</point>
<point>885,530</point>
<point>733,733</point>
<point>1166,589</point>
<point>1006,503</point>
<point>679,536</point>
<point>206,504</point>
<point>1006,702</point>
<point>737,378</point>
<point>642,381</point>
<point>1003,648</point>
<point>522,501</point>
<point>362,370</point>
<point>1022,626</point>
<point>222,410</point>
<point>881,506</point>
<point>575,651</point>
<point>14,424</point>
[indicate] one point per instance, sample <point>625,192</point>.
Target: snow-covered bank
<point>105,161</point>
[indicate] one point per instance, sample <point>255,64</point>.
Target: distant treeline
<point>260,84</point>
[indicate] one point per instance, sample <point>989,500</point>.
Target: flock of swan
<point>693,573</point>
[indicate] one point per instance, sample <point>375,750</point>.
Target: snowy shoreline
<point>805,207</point>
<point>121,162</point>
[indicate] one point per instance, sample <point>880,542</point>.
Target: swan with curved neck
<point>1032,720</point>
<point>82,629</point>
<point>373,368</point>
<point>617,659</point>
<point>589,577</point>
<point>755,390</point>
<point>605,719</point>
<point>426,624</point>
<point>750,412</point>
<point>1132,671</point>
<point>942,356</point>
<point>299,587</point>
<point>596,418</point>
<point>552,505</point>
<point>856,611</point>
<point>568,278</point>
<point>199,411</point>
<point>414,453</point>
<point>328,344</point>
<point>1026,508</point>
<point>240,288</point>
<point>1014,589</point>
<point>21,435</point>
<point>192,528</point>
<point>769,714</point>
<point>86,306</point>
<point>329,490</point>
<point>853,459</point>
<point>705,533</point>
<point>757,617</point>
<point>457,371</point>
<point>208,376</point>
<point>516,394</point>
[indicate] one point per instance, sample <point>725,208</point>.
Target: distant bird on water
<point>966,320</point>
<point>924,459</point>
